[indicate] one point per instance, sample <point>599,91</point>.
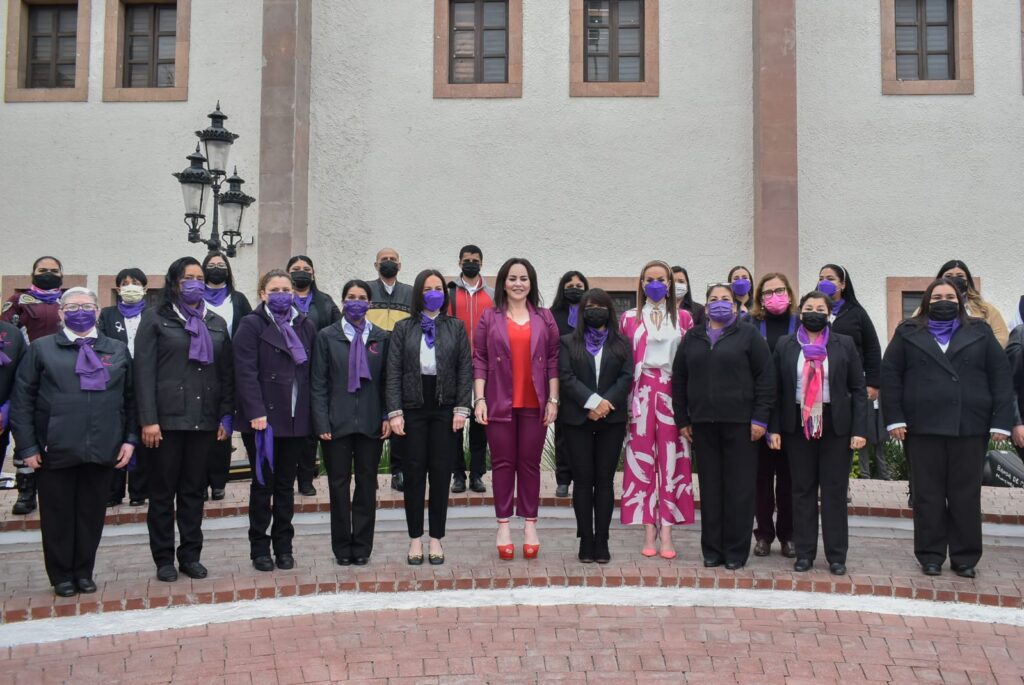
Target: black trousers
<point>946,481</point>
<point>823,463</point>
<point>477,450</point>
<point>352,516</point>
<point>774,513</point>
<point>72,507</point>
<point>874,451</point>
<point>563,463</point>
<point>134,480</point>
<point>727,479</point>
<point>273,503</point>
<point>177,475</point>
<point>307,469</point>
<point>594,449</point>
<point>428,445</point>
<point>397,449</point>
<point>219,464</point>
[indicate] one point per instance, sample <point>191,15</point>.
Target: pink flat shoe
<point>649,552</point>
<point>669,554</point>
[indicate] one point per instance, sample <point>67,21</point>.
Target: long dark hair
<point>174,273</point>
<point>955,264</point>
<point>230,283</point>
<point>687,302</point>
<point>304,258</point>
<point>844,277</point>
<point>979,307</point>
<point>417,293</point>
<point>559,301</point>
<point>500,298</point>
<point>36,263</point>
<point>616,343</point>
<point>921,318</point>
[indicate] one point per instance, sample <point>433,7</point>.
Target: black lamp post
<point>208,172</point>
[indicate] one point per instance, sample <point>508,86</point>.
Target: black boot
<point>26,503</point>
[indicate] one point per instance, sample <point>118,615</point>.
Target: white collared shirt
<point>428,355</point>
<point>131,327</point>
<point>350,331</point>
<point>663,342</point>
<point>595,399</point>
<point>72,336</point>
<point>226,311</point>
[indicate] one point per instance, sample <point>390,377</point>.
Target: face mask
<point>80,321</point>
<point>814,321</point>
<point>960,283</point>
<point>720,311</point>
<point>471,269</point>
<point>355,309</point>
<point>741,286</point>
<point>827,287</point>
<point>656,291</point>
<point>433,300</point>
<point>216,275</point>
<point>776,304</point>
<point>279,303</point>
<point>573,295</point>
<point>302,279</point>
<point>596,317</point>
<point>131,294</point>
<point>681,290</point>
<point>192,292</point>
<point>943,310</point>
<point>388,269</point>
<point>47,281</point>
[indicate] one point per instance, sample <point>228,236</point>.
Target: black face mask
<point>470,269</point>
<point>302,279</point>
<point>216,275</point>
<point>814,321</point>
<point>573,295</point>
<point>596,317</point>
<point>388,269</point>
<point>960,284</point>
<point>943,310</point>
<point>47,280</point>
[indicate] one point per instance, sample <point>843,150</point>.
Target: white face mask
<point>131,294</point>
<point>681,290</point>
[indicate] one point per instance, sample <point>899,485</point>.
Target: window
<point>149,46</point>
<point>146,46</point>
<point>927,47</point>
<point>479,42</point>
<point>613,48</point>
<point>47,51</point>
<point>52,44</point>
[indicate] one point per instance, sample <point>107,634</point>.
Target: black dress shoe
<point>601,553</point>
<point>436,559</point>
<point>113,502</point>
<point>837,569</point>
<point>803,565</point>
<point>285,562</point>
<point>965,571</point>
<point>86,585</point>
<point>458,484</point>
<point>712,563</point>
<point>344,561</point>
<point>217,494</point>
<point>762,548</point>
<point>307,490</point>
<point>360,561</point>
<point>414,559</point>
<point>260,563</point>
<point>733,565</point>
<point>789,550</point>
<point>476,484</point>
<point>398,482</point>
<point>932,569</point>
<point>193,569</point>
<point>65,589</point>
<point>137,502</point>
<point>586,553</point>
<point>562,490</point>
<point>167,574</point>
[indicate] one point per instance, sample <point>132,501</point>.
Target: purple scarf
<point>291,338</point>
<point>5,412</point>
<point>4,342</point>
<point>813,375</point>
<point>715,333</point>
<point>429,327</point>
<point>131,310</point>
<point>943,330</point>
<point>793,319</point>
<point>594,339</point>
<point>200,349</point>
<point>92,375</point>
<point>216,296</point>
<point>302,302</point>
<point>837,305</point>
<point>47,296</point>
<point>358,364</point>
<point>574,315</point>
<point>264,452</point>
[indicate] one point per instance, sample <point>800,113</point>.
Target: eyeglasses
<point>72,308</point>
<point>777,291</point>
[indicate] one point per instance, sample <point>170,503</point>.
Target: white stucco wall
<point>897,185</point>
<point>597,184</point>
<point>90,182</point>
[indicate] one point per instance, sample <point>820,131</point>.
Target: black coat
<point>265,375</point>
<point>68,426</point>
<point>734,382</point>
<point>335,409</point>
<point>854,322</point>
<point>561,316</point>
<point>170,389</point>
<point>14,347</point>
<point>322,310</point>
<point>578,381</point>
<point>847,396</point>
<point>404,387</point>
<point>963,392</point>
<point>1015,354</point>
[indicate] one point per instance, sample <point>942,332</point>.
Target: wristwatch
<point>554,400</point>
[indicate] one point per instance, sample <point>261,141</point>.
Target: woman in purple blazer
<point>515,370</point>
<point>272,349</point>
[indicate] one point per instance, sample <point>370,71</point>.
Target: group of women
<point>769,392</point>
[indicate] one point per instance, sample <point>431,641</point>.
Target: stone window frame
<point>443,89</point>
<point>895,287</point>
<point>17,54</point>
<point>113,56</point>
<point>963,84</point>
<point>580,87</point>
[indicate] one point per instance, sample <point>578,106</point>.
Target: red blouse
<point>524,395</point>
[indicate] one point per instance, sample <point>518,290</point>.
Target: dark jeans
<point>72,507</point>
<point>135,480</point>
<point>273,503</point>
<point>352,517</point>
<point>307,468</point>
<point>727,478</point>
<point>563,462</point>
<point>774,494</point>
<point>594,450</point>
<point>428,444</point>
<point>178,473</point>
<point>477,450</point>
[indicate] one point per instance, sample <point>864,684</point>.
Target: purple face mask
<point>279,303</point>
<point>741,286</point>
<point>356,309</point>
<point>80,321</point>
<point>720,311</point>
<point>192,292</point>
<point>827,287</point>
<point>656,291</point>
<point>433,300</point>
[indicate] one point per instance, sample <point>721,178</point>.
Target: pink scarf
<point>813,375</point>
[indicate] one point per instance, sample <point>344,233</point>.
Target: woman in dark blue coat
<point>272,347</point>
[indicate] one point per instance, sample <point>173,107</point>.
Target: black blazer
<point>404,388</point>
<point>335,409</point>
<point>577,377</point>
<point>732,383</point>
<point>853,321</point>
<point>847,396</point>
<point>322,310</point>
<point>1015,354</point>
<point>14,347</point>
<point>172,390</point>
<point>561,316</point>
<point>963,392</point>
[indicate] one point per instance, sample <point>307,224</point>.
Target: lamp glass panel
<point>194,195</point>
<point>217,153</point>
<point>231,216</point>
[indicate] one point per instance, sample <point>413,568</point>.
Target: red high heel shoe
<point>506,552</point>
<point>531,551</point>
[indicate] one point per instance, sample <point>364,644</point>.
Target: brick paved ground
<point>527,644</point>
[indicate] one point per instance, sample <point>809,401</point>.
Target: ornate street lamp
<point>232,207</point>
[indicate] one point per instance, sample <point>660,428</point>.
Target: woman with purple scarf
<point>820,416</point>
<point>272,348</point>
<point>74,421</point>
<point>184,380</point>
<point>946,389</point>
<point>347,384</point>
<point>565,308</point>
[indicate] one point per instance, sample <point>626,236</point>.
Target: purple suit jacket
<point>492,359</point>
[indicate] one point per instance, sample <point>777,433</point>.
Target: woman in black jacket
<point>347,387</point>
<point>184,386</point>
<point>723,389</point>
<point>946,389</point>
<point>12,351</point>
<point>429,392</point>
<point>74,421</point>
<point>595,370</point>
<point>566,309</point>
<point>272,348</point>
<point>819,417</point>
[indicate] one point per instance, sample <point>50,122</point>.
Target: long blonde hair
<point>670,297</point>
